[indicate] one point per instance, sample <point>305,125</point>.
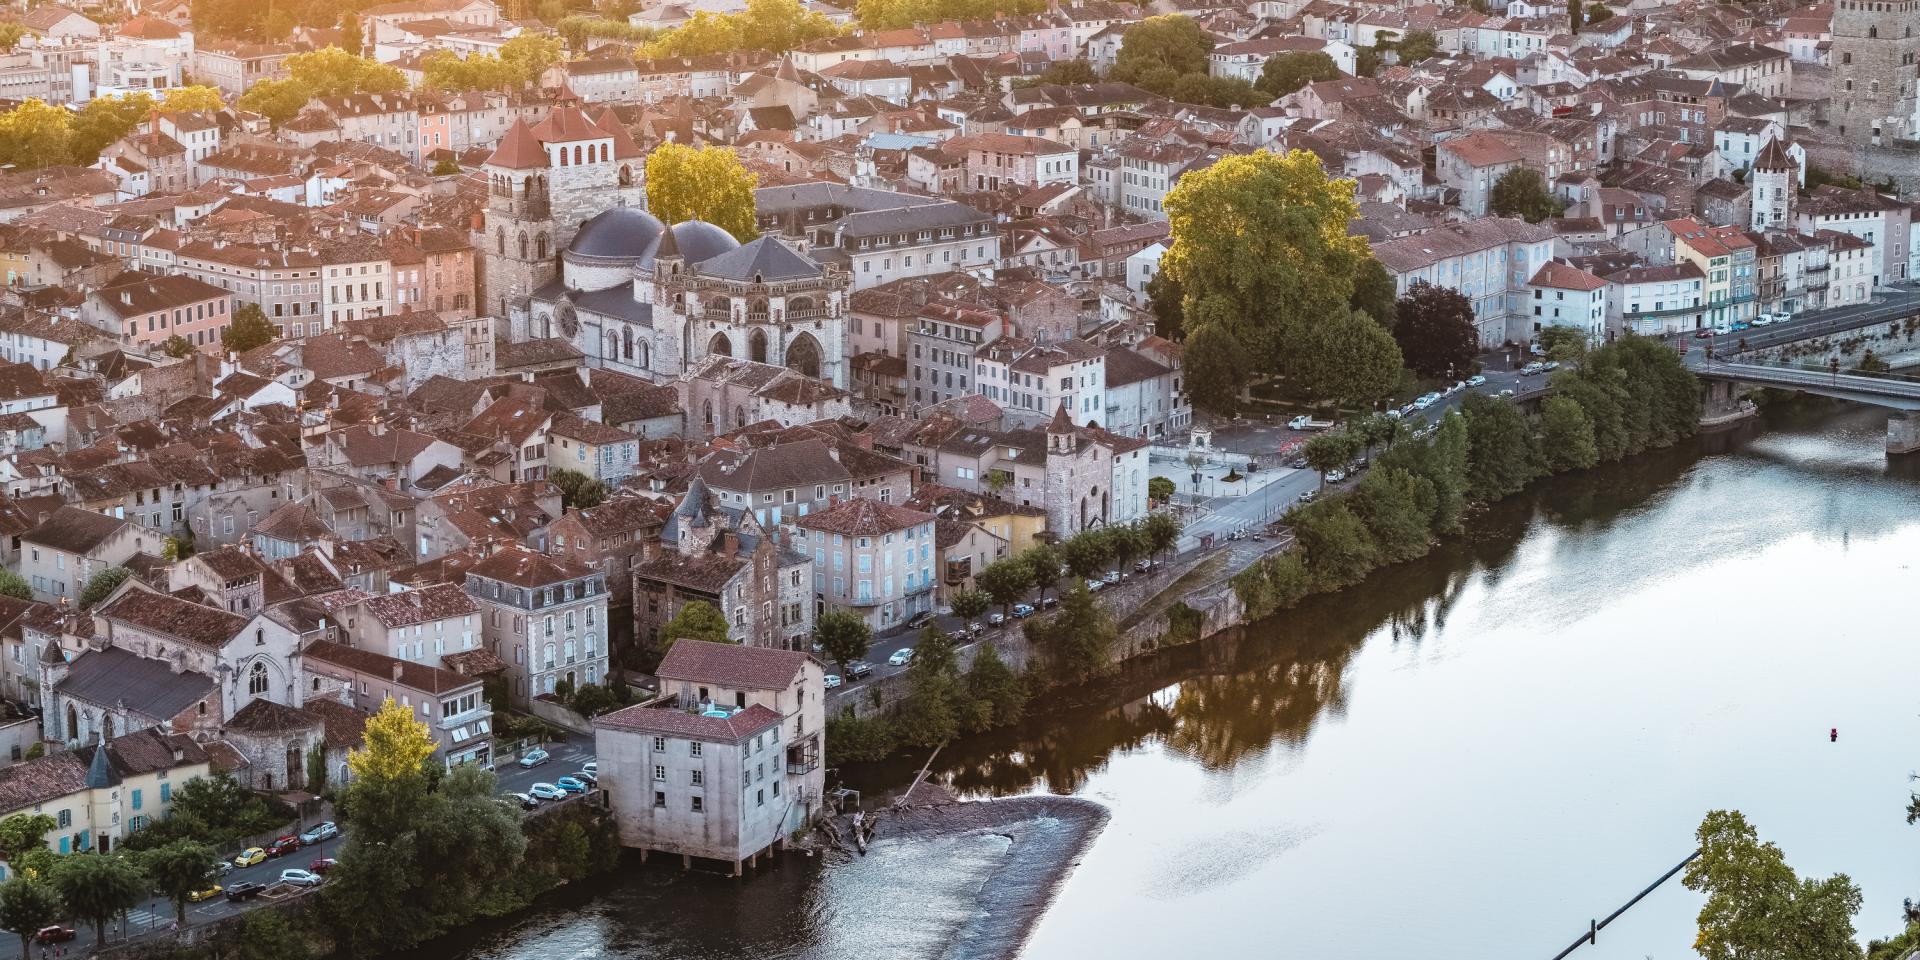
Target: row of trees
<point>37,134</point>
<point>1620,399</point>
<point>521,62</point>
<point>1167,55</point>
<point>893,14</point>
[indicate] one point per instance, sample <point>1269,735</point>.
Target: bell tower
<point>1775,181</point>
<point>516,238</point>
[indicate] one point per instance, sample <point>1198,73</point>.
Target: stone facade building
<point>546,617</point>
<point>1875,98</point>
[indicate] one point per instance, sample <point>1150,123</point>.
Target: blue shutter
<point>64,846</point>
<point>136,799</point>
<point>166,792</point>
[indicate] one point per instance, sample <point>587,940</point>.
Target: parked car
<point>1476,381</point>
<point>1409,408</point>
<point>591,766</point>
<point>1308,496</point>
<point>859,669</point>
<point>1335,476</point>
<point>1422,403</point>
<point>1550,366</point>
<point>1763,320</point>
<point>534,758</point>
<point>1023,610</point>
<point>976,628</point>
<point>250,856</point>
<point>919,620</point>
<point>223,868</point>
<point>572,784</point>
<point>322,865</point>
<point>1112,577</point>
<point>301,878</point>
<point>526,801</point>
<point>1393,413</point>
<point>546,791</point>
<point>1298,463</point>
<point>1703,334</point>
<point>1739,325</point>
<point>1533,369</point>
<point>244,890</point>
<point>833,680</point>
<point>587,777</point>
<point>320,831</point>
<point>283,846</point>
<point>207,893</point>
<point>996,619</point>
<point>901,657</point>
<point>54,934</point>
<point>1096,585</point>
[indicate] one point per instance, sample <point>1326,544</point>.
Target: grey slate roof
<point>149,687</point>
<point>763,259</point>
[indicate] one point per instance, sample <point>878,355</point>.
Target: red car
<point>54,934</point>
<point>322,865</point>
<point>283,846</point>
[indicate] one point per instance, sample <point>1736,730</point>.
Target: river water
<point>1469,756</point>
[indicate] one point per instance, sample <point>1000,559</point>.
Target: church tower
<point>518,234</point>
<point>1875,59</point>
<point>1775,181</point>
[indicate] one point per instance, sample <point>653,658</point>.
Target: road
<point>567,758</point>
<point>158,912</point>
<point>1888,304</point>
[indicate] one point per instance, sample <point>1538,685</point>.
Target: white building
<point>1567,296</point>
<point>1488,260</point>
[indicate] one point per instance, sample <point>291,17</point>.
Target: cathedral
<point>571,253</point>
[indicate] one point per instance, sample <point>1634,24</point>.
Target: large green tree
<point>1373,292</point>
<point>577,490</point>
<point>103,583</point>
<point>995,695</point>
<point>1347,358</point>
<point>1262,251</point>
<point>932,712</point>
<point>1522,192</point>
<point>1290,71</point>
<point>1434,326</point>
<point>1076,644</point>
<point>178,869</point>
<point>702,183</point>
<point>1005,581</point>
<point>1757,908</point>
<point>697,620</point>
<point>1502,453</point>
<point>1566,435</point>
<point>1335,543</point>
<point>843,636</point>
<point>15,586</point>
<point>98,887</point>
<point>1161,46</point>
<point>1045,567</point>
<point>27,906</point>
<point>250,328</point>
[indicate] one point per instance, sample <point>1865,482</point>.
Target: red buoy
<point>1833,735</point>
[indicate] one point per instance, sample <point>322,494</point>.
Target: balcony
<point>1668,312</point>
<point>1820,268</point>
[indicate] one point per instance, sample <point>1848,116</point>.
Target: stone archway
<point>757,346</point>
<point>720,346</point>
<point>804,355</point>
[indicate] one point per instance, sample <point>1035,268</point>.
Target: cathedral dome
<point>700,241</point>
<point>622,233</point>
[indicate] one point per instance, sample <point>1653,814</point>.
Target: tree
<point>1335,544</point>
<point>530,54</point>
<point>1044,565</point>
<point>15,585</point>
<point>27,906</point>
<point>179,869</point>
<point>1064,73</point>
<point>35,134</point>
<point>1373,430</point>
<point>1290,71</point>
<point>10,35</point>
<point>969,605</point>
<point>1397,508</point>
<point>1162,530</point>
<point>594,699</point>
<point>1164,298</point>
<point>1159,489</point>
<point>843,636</point>
<point>1373,293</point>
<point>930,715</point>
<point>1348,358</point>
<point>1600,13</point>
<point>1574,18</point>
<point>1417,45</point>
<point>577,490</point>
<point>104,120</point>
<point>334,72</point>
<point>1170,43</point>
<point>277,100</point>
<point>196,97</point>
<point>103,583</point>
<point>1502,456</point>
<point>267,935</point>
<point>396,745</point>
<point>702,183</point>
<point>1127,543</point>
<point>1088,553</point>
<point>1005,582</point>
<point>995,695</point>
<point>1434,326</point>
<point>352,39</point>
<point>697,620</point>
<point>1564,344</point>
<point>177,347</point>
<point>1566,435</point>
<point>97,887</point>
<point>1757,908</point>
<point>1077,642</point>
<point>1522,192</point>
<point>1329,451</point>
<point>317,769</point>
<point>1261,249</point>
<point>23,842</point>
<point>446,70</point>
<point>250,328</point>
<point>1216,367</point>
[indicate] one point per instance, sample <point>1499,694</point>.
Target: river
<point>1468,756</point>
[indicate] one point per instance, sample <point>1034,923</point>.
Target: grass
<point>1202,573</point>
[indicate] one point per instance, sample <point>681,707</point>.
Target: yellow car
<point>250,856</point>
<point>207,894</point>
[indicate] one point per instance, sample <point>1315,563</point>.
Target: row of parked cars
<point>578,782</point>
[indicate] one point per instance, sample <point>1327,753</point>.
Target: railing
<point>1669,312</point>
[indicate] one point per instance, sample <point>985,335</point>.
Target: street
<point>567,758</point>
<point>158,913</point>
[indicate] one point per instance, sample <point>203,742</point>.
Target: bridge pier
<point>1723,404</point>
<point>1903,432</point>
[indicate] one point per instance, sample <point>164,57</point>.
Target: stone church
<point>569,252</point>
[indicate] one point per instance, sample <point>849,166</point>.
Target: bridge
<point>1899,394</point>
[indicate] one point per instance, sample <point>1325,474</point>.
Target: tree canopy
<point>843,636</point>
<point>1262,252</point>
<point>248,329</point>
<point>1522,192</point>
<point>397,744</point>
<point>702,183</point>
<point>697,620</point>
<point>893,14</point>
<point>1290,71</point>
<point>1757,908</point>
<point>1172,43</point>
<point>1434,326</point>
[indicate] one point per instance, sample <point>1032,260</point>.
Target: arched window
<point>563,156</point>
<point>626,351</point>
<point>643,362</point>
<point>257,679</point>
<point>502,240</point>
<point>576,156</point>
<point>540,246</point>
<point>1873,32</point>
<point>626,174</point>
<point>523,246</point>
<point>708,411</point>
<point>740,416</point>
